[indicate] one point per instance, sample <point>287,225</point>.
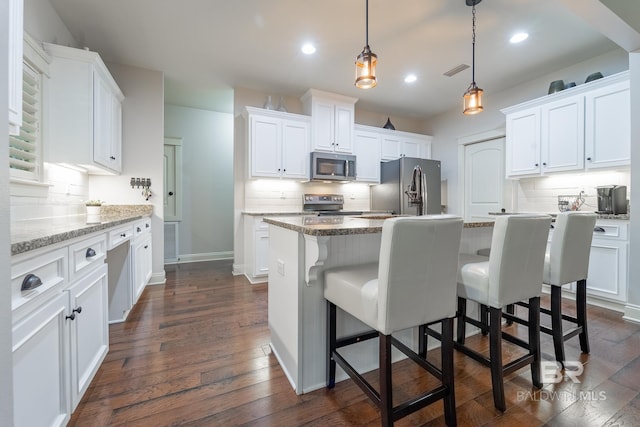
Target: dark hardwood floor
<point>195,352</point>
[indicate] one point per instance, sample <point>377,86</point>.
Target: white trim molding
<point>632,313</point>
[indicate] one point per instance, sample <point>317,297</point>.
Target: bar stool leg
<point>556,322</point>
<point>495,354</point>
<point>581,314</point>
<point>534,340</point>
<point>331,344</point>
<point>386,389</point>
<point>447,372</point>
<point>462,315</point>
<point>422,341</point>
<point>484,319</point>
<point>511,309</point>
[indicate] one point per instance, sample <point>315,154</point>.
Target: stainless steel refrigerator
<point>408,186</point>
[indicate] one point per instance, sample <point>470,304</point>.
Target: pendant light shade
<point>366,62</point>
<point>473,96</point>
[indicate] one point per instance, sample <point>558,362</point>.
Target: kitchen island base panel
<point>297,308</point>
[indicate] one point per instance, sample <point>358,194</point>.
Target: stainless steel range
<point>326,204</point>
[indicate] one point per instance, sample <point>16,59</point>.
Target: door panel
<point>484,179</point>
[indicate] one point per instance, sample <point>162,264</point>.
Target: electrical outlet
<point>282,195</point>
<point>280,267</point>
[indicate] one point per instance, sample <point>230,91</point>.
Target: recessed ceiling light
<point>518,37</point>
<point>308,49</point>
<point>410,78</point>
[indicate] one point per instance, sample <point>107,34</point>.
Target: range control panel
<point>318,202</point>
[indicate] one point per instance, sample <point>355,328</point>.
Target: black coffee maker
<point>612,199</point>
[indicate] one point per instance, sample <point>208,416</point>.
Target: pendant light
<point>473,95</point>
<point>366,61</point>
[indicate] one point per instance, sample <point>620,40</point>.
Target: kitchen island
<point>301,248</point>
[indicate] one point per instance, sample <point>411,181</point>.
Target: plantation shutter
<point>25,160</point>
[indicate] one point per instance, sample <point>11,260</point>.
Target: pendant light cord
<point>473,45</point>
<point>366,23</point>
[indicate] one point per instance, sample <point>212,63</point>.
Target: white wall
<point>6,360</point>
<point>633,310</point>
<point>206,231</point>
<point>42,22</point>
<point>142,151</point>
<point>448,127</point>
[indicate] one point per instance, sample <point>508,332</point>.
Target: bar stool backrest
<point>516,261</point>
<point>570,248</point>
<point>417,271</point>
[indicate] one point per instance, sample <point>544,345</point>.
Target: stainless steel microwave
<point>332,166</point>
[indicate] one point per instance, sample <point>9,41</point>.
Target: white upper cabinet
<point>583,127</point>
<point>332,120</point>
<point>396,144</point>
<point>366,147</point>
<point>562,135</point>
<point>85,114</point>
<point>278,143</point>
<point>15,65</point>
<point>607,135</point>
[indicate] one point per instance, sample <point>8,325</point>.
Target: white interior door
<point>483,179</point>
<point>172,179</point>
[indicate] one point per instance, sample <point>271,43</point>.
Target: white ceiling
<point>205,47</point>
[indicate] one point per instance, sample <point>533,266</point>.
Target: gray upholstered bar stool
<point>567,261</point>
<point>413,284</point>
<point>512,273</point>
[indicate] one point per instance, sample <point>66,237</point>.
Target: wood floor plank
<point>195,352</point>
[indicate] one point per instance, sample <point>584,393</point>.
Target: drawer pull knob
<point>146,226</point>
<point>599,230</point>
<point>30,281</point>
<point>138,229</point>
<point>123,235</point>
<point>90,253</point>
<point>72,316</point>
<point>146,246</point>
<point>77,310</point>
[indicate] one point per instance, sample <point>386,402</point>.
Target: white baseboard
<point>632,313</point>
<point>237,269</point>
<point>210,256</point>
<point>255,280</point>
<point>158,278</point>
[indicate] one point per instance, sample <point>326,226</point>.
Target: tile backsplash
<point>275,195</point>
<point>67,190</point>
<point>541,194</point>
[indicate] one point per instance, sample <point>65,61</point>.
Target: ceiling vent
<point>455,70</point>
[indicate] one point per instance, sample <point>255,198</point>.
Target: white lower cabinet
<point>142,257</point>
<point>256,253</point>
<point>89,329</point>
<point>41,368</point>
<point>609,262</point>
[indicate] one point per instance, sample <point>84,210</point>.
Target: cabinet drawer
<point>119,235</point>
<point>142,227</point>
<point>87,255</point>
<point>259,224</point>
<point>34,275</point>
<point>610,231</point>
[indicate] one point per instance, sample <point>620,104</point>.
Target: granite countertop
<point>623,217</point>
<point>37,233</point>
<point>342,225</point>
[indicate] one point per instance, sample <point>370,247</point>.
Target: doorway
<point>173,197</point>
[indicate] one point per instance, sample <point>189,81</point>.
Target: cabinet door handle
<point>537,165</point>
<point>171,193</point>
<point>146,246</point>
<point>30,281</point>
<point>598,230</point>
<point>589,158</point>
<point>146,226</point>
<point>123,235</point>
<point>90,253</point>
<point>544,164</point>
<point>138,229</point>
<point>112,158</point>
<point>72,316</point>
<point>77,310</point>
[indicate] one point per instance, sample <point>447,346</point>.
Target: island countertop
<point>342,225</point>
